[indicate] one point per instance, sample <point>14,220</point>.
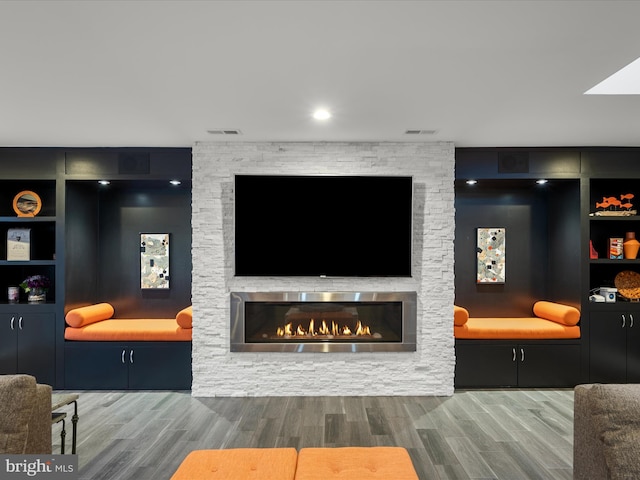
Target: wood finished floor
<point>475,434</point>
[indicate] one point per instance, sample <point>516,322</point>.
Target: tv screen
<point>353,226</point>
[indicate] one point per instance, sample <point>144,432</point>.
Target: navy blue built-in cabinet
<point>85,239</point>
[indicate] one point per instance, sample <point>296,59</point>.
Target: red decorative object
<point>592,251</point>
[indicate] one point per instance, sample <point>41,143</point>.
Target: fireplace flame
<point>323,329</point>
<point>362,330</point>
<point>284,331</point>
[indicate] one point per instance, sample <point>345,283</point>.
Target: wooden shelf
<point>45,218</point>
<point>609,261</point>
<point>632,218</point>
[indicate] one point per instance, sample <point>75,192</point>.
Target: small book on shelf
<point>19,244</point>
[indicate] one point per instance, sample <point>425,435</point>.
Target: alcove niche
<point>103,227</point>
<point>542,223</point>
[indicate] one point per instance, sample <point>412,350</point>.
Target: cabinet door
<point>486,366</point>
<point>633,348</point>
<point>608,347</point>
<point>548,365</point>
<point>36,346</point>
<point>160,367</point>
<point>8,343</point>
<point>95,366</point>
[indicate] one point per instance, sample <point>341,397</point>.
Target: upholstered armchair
<point>25,415</point>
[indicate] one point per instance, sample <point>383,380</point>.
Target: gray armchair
<point>606,442</point>
<point>25,415</point>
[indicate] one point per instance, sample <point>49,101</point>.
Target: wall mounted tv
<point>323,225</point>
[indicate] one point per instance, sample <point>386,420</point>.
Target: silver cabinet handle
<point>630,320</point>
<point>514,354</point>
<point>131,356</point>
<point>123,352</point>
<point>522,354</point>
<point>623,320</point>
<point>20,323</point>
<point>13,320</point>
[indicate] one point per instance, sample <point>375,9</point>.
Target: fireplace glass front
<point>323,322</point>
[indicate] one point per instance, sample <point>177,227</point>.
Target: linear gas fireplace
<point>323,322</point>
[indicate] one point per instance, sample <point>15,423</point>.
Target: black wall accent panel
<point>96,163</point>
<point>28,162</point>
<point>513,162</point>
<point>611,162</point>
<point>134,163</point>
<point>542,245</point>
<point>109,163</point>
<point>563,279</point>
<point>124,214</point>
<point>81,244</point>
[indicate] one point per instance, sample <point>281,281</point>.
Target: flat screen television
<point>323,225</point>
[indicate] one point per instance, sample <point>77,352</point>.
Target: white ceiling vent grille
<point>224,131</point>
<point>420,132</point>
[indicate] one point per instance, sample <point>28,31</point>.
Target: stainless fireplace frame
<point>409,321</point>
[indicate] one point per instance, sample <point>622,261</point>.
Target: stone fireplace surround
<point>428,370</point>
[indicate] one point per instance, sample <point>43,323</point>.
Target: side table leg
<point>63,434</point>
<point>74,430</point>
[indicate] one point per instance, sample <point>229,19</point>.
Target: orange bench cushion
<point>185,317</point>
<point>557,312</point>
<point>350,463</point>
<point>514,328</point>
<point>133,330</point>
<point>239,463</point>
<point>460,315</point>
<point>79,317</point>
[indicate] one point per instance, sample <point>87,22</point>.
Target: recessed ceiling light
<point>321,114</point>
<point>472,182</point>
<point>104,182</point>
<point>175,183</point>
<point>625,81</point>
<point>542,181</point>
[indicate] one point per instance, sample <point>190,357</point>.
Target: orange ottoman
<point>239,463</point>
<point>361,463</point>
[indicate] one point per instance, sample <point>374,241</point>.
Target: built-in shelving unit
<point>42,229</point>
<point>76,241</point>
<point>609,347</point>
<point>614,327</point>
<point>28,338</point>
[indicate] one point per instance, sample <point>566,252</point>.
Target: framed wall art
<point>154,260</point>
<point>490,250</point>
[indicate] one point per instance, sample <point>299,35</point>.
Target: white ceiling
<point>162,73</point>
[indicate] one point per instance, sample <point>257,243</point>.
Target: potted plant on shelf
<point>36,287</point>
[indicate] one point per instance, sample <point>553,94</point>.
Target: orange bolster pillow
<point>185,317</point>
<point>557,312</point>
<point>460,315</point>
<point>79,317</point>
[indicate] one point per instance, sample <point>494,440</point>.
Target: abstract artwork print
<point>154,260</point>
<point>490,249</point>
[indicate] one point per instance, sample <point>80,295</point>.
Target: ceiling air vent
<point>420,132</point>
<point>225,131</point>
